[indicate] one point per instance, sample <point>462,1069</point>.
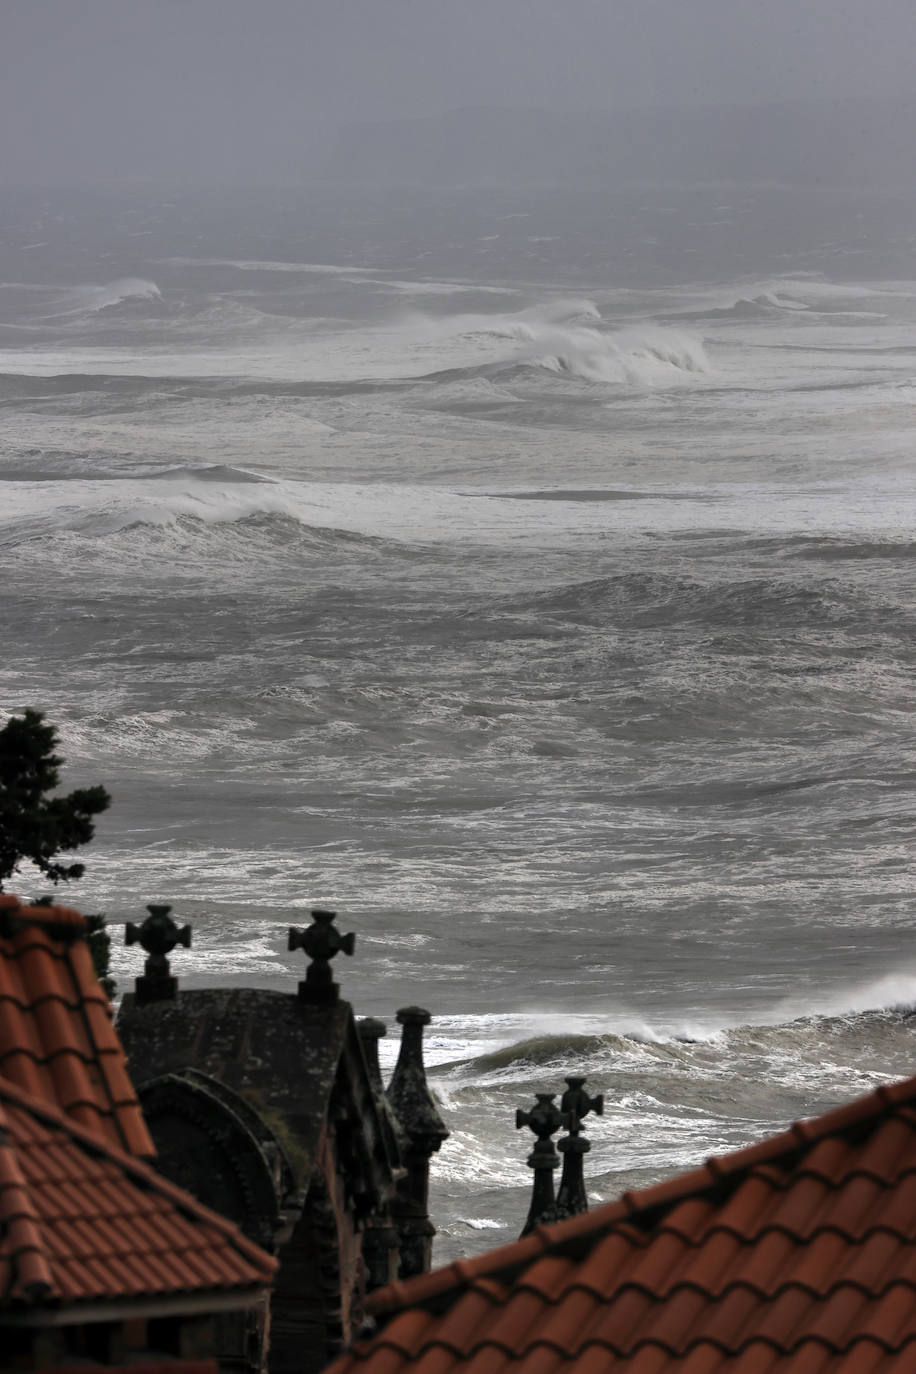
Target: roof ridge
<point>144,1174</point>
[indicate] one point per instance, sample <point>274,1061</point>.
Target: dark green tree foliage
<point>99,942</point>
<point>33,825</point>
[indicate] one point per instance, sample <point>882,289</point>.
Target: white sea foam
<point>411,513</point>
<point>225,951</point>
<point>438,288</point>
<point>892,990</point>
<point>270,265</point>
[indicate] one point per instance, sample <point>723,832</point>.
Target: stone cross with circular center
<point>158,935</point>
<point>544,1119</point>
<point>320,941</point>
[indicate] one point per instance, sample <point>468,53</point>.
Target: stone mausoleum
<point>269,1107</point>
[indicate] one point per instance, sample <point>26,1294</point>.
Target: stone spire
<point>158,935</point>
<point>544,1119</point>
<point>381,1241</point>
<point>370,1031</point>
<point>422,1132</point>
<point>576,1103</point>
<point>321,941</point>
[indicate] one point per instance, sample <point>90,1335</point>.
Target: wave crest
<point>642,358</point>
<point>93,297</point>
<point>565,337</point>
<point>797,1048</point>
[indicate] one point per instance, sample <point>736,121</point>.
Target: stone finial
<point>571,1196</point>
<point>422,1132</point>
<point>158,935</point>
<point>320,942</point>
<point>408,1091</point>
<point>544,1119</point>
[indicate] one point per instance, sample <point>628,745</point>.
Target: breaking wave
<point>125,288</point>
<point>641,358</point>
<point>866,1038</point>
<point>764,306</point>
<point>566,337</point>
<point>93,297</point>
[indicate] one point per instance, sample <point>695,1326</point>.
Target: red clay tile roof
<point>795,1254</point>
<point>57,1039</point>
<point>81,1221</point>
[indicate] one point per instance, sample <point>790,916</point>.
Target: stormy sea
<point>526,576</point>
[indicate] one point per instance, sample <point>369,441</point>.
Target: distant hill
<point>857,143</point>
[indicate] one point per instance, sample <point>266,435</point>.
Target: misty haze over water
<point>490,519</point>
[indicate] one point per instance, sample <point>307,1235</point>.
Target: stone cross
<point>320,942</point>
<point>544,1119</point>
<point>577,1102</point>
<point>158,935</point>
<point>571,1195</point>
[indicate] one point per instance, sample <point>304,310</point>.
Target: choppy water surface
<point>536,587</point>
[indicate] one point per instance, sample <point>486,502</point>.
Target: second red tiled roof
<point>57,1040</point>
<point>798,1253</point>
<point>81,1221</point>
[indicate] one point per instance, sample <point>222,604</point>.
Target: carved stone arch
<point>212,1143</point>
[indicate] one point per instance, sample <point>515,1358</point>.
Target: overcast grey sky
<point>241,88</point>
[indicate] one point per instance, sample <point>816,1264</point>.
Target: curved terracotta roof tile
<point>688,1218</point>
